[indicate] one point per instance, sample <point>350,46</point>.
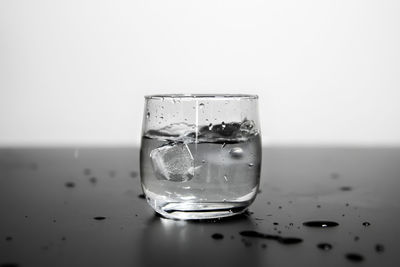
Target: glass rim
<point>201,96</point>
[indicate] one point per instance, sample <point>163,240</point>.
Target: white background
<point>75,72</point>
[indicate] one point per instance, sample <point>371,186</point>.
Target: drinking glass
<point>200,155</point>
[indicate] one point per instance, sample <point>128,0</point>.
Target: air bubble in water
<point>223,125</point>
<point>251,165</point>
<point>236,152</point>
<point>210,126</point>
<point>148,115</point>
<point>366,224</point>
<point>201,105</point>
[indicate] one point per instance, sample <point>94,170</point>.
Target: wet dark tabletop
<point>81,207</point>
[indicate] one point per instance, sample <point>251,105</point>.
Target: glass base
<point>198,211</point>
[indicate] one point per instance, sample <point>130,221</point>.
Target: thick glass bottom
<point>198,211</point>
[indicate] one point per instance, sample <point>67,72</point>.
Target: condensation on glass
<point>200,154</point>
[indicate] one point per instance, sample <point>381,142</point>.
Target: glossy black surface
<point>82,207</point>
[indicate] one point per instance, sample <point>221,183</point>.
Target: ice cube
<point>173,162</point>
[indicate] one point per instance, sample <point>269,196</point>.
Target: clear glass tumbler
<point>200,155</point>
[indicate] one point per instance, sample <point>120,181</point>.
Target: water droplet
<point>236,152</point>
<point>280,207</point>
<point>346,188</point>
<point>290,240</point>
<point>280,239</point>
<point>9,238</point>
<point>210,126</point>
<point>142,196</point>
<point>134,174</point>
<point>148,115</point>
<point>356,238</point>
<point>275,223</point>
<point>263,246</point>
<point>354,257</point>
<point>379,248</point>
<point>318,206</point>
<point>251,165</point>
<point>70,184</point>
<point>324,246</point>
<point>63,238</point>
<point>93,180</point>
<point>321,224</point>
<point>87,171</point>
<point>201,105</point>
<point>203,161</point>
<point>246,243</point>
<point>99,218</point>
<point>251,233</point>
<point>34,166</point>
<point>161,117</point>
<point>112,173</point>
<point>9,264</point>
<point>217,236</point>
<point>366,224</point>
<point>334,175</point>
